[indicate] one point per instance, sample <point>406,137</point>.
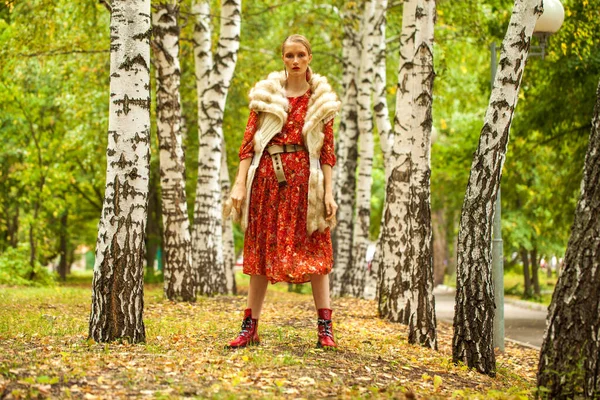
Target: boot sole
<point>320,346</point>
<point>241,347</point>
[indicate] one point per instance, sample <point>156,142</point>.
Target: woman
<point>283,190</point>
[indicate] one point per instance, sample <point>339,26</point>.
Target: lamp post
<point>548,23</point>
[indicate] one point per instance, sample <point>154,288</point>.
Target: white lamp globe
<point>552,18</point>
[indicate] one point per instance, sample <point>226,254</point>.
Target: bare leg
<point>320,289</point>
<point>256,294</point>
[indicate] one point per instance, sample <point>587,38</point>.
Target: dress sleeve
<point>247,147</point>
<point>328,151</point>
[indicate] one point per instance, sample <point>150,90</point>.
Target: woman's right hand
<point>238,194</point>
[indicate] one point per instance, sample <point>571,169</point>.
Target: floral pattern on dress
<point>276,243</point>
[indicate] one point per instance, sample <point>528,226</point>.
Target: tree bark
<point>117,288</point>
<point>440,247</point>
<point>353,280</point>
<point>213,76</point>
<point>345,180</point>
<point>227,225</point>
<point>527,289</point>
<point>63,246</point>
<point>535,272</point>
<point>384,128</point>
<point>406,276</point>
<point>474,310</point>
<point>569,364</point>
<point>179,277</point>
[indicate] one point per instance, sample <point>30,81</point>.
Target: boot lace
<point>325,325</point>
<point>246,326</point>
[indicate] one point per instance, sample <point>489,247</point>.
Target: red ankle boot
<point>249,333</point>
<point>325,329</point>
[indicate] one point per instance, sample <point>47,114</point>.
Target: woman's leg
<point>320,289</point>
<point>256,294</point>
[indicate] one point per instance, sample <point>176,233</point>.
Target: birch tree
<point>228,240</point>
<point>406,274</point>
<point>353,281</point>
<point>382,120</point>
<point>347,151</point>
<point>117,288</point>
<point>570,356</point>
<point>213,76</point>
<point>474,309</point>
<point>179,282</point>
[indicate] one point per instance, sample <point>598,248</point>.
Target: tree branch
<point>106,4</point>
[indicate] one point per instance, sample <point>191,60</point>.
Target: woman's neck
<point>296,86</point>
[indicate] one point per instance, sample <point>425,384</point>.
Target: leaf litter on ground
<point>45,353</point>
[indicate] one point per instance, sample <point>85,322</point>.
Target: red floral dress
<point>276,243</point>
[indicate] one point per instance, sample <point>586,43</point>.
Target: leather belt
<point>275,152</point>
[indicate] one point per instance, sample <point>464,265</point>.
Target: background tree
<point>406,274</point>
<point>213,77</point>
<point>179,278</point>
<point>474,310</point>
<point>569,358</point>
<point>117,289</point>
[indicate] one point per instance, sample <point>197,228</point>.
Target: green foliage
<point>15,269</point>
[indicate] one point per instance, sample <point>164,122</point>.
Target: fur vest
<point>268,98</point>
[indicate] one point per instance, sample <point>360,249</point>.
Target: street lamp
<point>548,23</point>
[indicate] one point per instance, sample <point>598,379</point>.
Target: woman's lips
<point>296,68</point>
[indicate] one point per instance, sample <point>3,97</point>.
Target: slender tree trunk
<point>406,278</point>
<point>474,310</point>
<point>228,242</point>
<point>440,247</point>
<point>570,356</point>
<point>153,231</point>
<point>526,274</point>
<point>213,76</point>
<point>117,288</point>
<point>353,281</point>
<point>384,128</point>
<point>63,246</point>
<point>179,282</point>
<point>347,154</point>
<point>535,272</point>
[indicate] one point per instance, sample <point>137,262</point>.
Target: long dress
<point>276,243</point>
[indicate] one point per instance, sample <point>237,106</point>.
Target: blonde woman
<point>283,190</point>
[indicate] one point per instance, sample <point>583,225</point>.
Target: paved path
<point>522,324</point>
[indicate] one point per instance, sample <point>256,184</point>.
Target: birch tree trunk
<point>474,309</point>
<point>569,364</point>
<point>213,76</point>
<point>353,281</point>
<point>346,151</point>
<point>406,276</point>
<point>179,282</point>
<point>228,242</point>
<point>384,127</point>
<point>117,288</point>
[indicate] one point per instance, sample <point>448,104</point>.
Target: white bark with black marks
<point>213,76</point>
<point>384,126</point>
<point>569,364</point>
<point>228,240</point>
<point>118,286</point>
<point>353,282</point>
<point>179,277</point>
<point>474,310</point>
<point>406,273</point>
<point>345,180</point>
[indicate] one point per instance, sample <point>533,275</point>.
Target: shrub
<point>16,270</point>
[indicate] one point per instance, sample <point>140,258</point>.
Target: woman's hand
<point>238,194</point>
<point>330,207</point>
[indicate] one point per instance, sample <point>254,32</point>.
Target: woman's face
<point>296,58</point>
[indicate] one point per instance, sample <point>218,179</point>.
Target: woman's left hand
<point>330,207</point>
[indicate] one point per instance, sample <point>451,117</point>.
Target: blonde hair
<point>296,39</point>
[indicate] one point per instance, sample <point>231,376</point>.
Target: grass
<point>44,352</point>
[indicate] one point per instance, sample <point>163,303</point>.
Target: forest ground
<point>44,352</point>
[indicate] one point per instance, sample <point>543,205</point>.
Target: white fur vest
<point>268,98</point>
